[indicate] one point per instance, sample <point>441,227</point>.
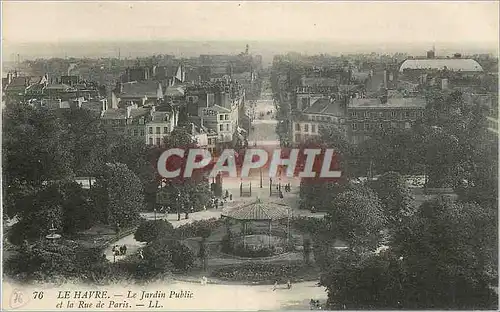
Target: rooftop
<point>317,81</point>
<point>140,89</point>
<point>391,103</point>
<point>258,210</point>
<point>174,91</point>
<point>121,113</point>
<point>324,106</point>
<point>159,116</point>
<point>453,64</point>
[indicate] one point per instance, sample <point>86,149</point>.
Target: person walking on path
<point>275,285</point>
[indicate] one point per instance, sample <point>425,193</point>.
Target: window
<point>142,132</point>
<point>297,137</point>
<point>407,114</point>
<point>158,141</point>
<point>221,127</point>
<point>157,130</point>
<point>393,114</point>
<point>150,130</point>
<point>221,117</point>
<point>141,120</point>
<point>226,116</point>
<point>354,126</point>
<point>313,128</point>
<point>354,114</point>
<point>367,126</point>
<point>150,141</point>
<point>136,132</point>
<point>165,130</point>
<point>297,127</point>
<point>381,125</point>
<point>227,127</point>
<point>209,141</point>
<point>306,128</point>
<point>381,115</point>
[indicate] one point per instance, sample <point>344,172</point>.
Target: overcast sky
<point>359,22</point>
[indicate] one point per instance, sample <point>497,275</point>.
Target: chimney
<point>444,84</point>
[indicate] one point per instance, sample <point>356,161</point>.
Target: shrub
<point>165,254</point>
<point>227,243</point>
<point>267,272</point>
<point>200,228</point>
<point>182,257</point>
<point>52,260</point>
<point>151,230</point>
<point>245,251</point>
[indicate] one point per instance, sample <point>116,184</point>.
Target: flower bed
<point>267,272</point>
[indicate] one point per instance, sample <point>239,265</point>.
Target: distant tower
<point>431,53</point>
<point>246,49</point>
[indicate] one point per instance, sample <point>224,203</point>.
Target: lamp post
<point>178,203</point>
<point>260,177</point>
<point>155,213</point>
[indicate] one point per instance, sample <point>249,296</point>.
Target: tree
<point>369,281</point>
<point>79,213</point>
<point>35,145</point>
<point>165,254</point>
<point>152,230</point>
<point>187,192</point>
<point>41,209</point>
<point>45,260</point>
<point>450,254</point>
<point>358,218</point>
<point>118,194</point>
<point>395,197</point>
<point>182,256</point>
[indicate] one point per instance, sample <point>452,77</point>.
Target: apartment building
<point>159,125</point>
<point>365,116</point>
<point>323,112</point>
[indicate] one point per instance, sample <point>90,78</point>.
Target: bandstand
<point>259,212</point>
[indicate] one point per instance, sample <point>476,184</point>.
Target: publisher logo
<point>303,163</point>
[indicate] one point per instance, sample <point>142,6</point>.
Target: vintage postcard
<point>229,155</point>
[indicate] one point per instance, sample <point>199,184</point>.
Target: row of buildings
<point>148,101</point>
<point>361,102</point>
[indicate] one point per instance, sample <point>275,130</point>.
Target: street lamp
<point>178,203</point>
<point>260,177</point>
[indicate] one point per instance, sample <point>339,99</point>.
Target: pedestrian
<point>141,255</point>
<point>230,196</point>
<point>124,249</point>
<point>289,284</point>
<point>275,285</point>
